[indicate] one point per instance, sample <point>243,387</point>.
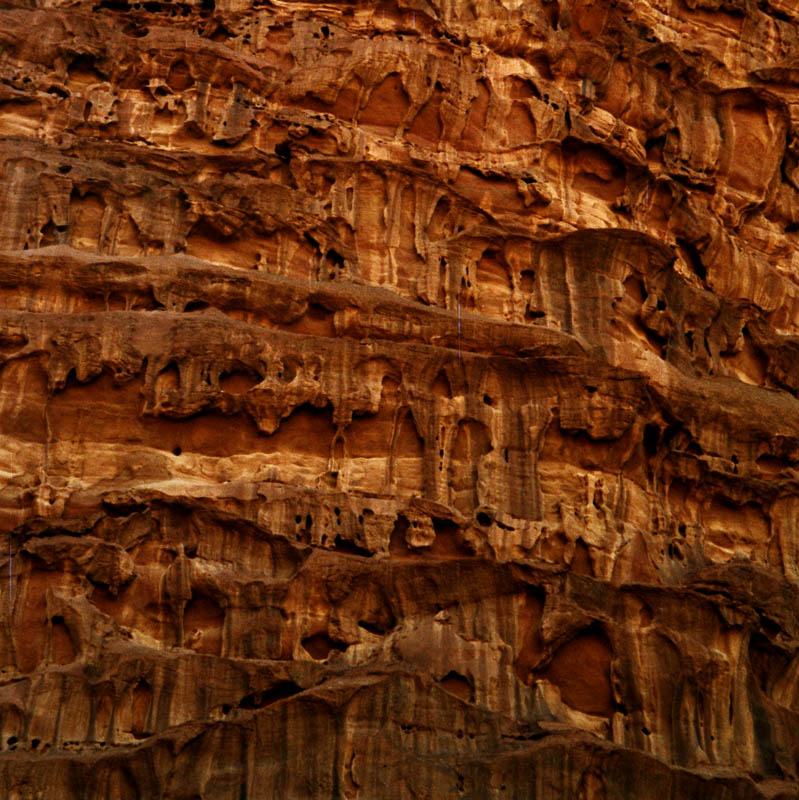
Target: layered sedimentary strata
<point>399,399</point>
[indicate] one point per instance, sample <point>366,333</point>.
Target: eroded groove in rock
<point>399,400</point>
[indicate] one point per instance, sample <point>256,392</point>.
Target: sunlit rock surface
<point>399,400</point>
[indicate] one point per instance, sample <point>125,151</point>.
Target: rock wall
<point>399,399</point>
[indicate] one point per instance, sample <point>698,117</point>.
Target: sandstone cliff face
<point>399,400</point>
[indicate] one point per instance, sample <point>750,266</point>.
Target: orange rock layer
<point>399,400</point>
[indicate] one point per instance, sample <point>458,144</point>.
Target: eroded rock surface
<point>399,400</point>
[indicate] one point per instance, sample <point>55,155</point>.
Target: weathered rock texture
<point>399,400</point>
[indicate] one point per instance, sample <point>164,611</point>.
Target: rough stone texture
<point>399,400</point>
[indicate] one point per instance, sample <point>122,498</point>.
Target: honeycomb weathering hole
<point>581,670</point>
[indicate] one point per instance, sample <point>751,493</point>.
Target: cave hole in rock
<point>370,605</point>
<point>179,77</point>
<point>49,235</point>
<point>459,685</point>
<point>442,386</point>
<point>397,543</point>
<point>141,702</point>
<point>581,560</point>
<point>279,691</point>
<point>146,301</point>
<point>122,508</point>
<point>317,321</point>
<point>379,625</point>
<point>11,342</point>
<point>426,126</point>
<point>288,370</point>
<point>62,650</point>
<point>692,258</point>
<point>580,668</point>
<point>238,381</point>
<point>335,258</point>
<point>203,622</point>
<point>350,547</point>
<point>771,465</point>
<point>645,614</point>
<point>320,645</point>
<point>135,31</point>
<point>82,68</point>
<point>651,439</point>
<point>520,88</point>
<point>205,240</point>
<point>168,379</point>
<point>387,105</point>
<point>449,539</point>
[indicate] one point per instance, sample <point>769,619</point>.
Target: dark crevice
<point>280,691</point>
<point>112,5</point>
<point>693,258</point>
<point>335,257</point>
<point>123,509</point>
<point>651,439</point>
<point>346,546</point>
<point>320,645</point>
<point>378,630</point>
<point>283,152</point>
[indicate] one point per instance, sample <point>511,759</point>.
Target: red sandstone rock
<point>400,400</point>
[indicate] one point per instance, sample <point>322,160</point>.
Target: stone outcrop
<point>399,400</point>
